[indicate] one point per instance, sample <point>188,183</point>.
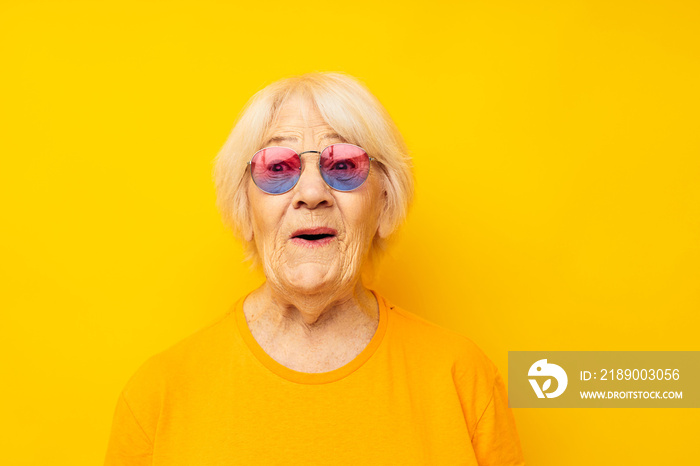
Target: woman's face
<point>312,266</point>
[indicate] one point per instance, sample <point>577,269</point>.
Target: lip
<point>314,231</point>
<point>306,243</point>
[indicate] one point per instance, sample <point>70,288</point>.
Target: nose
<point>311,191</point>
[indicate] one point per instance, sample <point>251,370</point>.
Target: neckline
<point>311,378</point>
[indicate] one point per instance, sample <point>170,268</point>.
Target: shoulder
<point>469,365</point>
<point>443,354</point>
<point>174,365</point>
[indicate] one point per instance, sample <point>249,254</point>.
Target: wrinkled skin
<point>313,301</point>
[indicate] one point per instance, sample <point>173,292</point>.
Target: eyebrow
<point>278,139</point>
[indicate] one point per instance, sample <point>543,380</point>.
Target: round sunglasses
<point>276,170</point>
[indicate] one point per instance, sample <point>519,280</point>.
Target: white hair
<point>352,111</point>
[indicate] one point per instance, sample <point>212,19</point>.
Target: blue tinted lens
<point>275,170</point>
<point>344,167</point>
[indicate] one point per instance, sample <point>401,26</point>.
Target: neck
<point>311,316</point>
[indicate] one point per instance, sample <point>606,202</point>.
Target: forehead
<point>298,110</point>
<point>295,116</point>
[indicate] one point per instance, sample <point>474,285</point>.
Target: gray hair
<point>352,111</point>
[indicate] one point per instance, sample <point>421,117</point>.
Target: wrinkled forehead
<point>298,108</point>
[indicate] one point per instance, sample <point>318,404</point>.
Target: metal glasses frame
<point>301,166</point>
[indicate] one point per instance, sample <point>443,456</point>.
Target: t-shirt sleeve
<point>128,442</point>
<point>136,418</point>
<point>495,439</point>
<point>490,422</point>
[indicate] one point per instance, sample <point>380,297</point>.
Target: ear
<point>247,228</point>
<point>248,232</point>
<point>383,226</point>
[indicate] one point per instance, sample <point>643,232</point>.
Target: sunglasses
<point>276,170</point>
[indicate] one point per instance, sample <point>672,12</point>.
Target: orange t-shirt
<point>417,394</point>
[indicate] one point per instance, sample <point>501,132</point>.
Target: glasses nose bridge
<point>301,159</point>
<point>309,151</point>
<point>303,165</point>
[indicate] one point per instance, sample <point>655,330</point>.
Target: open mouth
<point>314,237</point>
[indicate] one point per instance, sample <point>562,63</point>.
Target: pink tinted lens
<point>344,166</point>
<point>275,170</point>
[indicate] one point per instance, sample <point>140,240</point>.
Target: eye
<point>346,164</point>
<point>277,167</point>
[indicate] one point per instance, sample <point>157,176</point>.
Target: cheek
<point>362,216</point>
<point>267,213</point>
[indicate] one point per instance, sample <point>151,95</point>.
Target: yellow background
<point>558,196</point>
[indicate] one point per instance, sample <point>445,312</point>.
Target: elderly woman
<point>312,367</point>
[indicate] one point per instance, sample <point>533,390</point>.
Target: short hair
<point>352,111</point>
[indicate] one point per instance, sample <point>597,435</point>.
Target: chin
<point>311,277</point>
